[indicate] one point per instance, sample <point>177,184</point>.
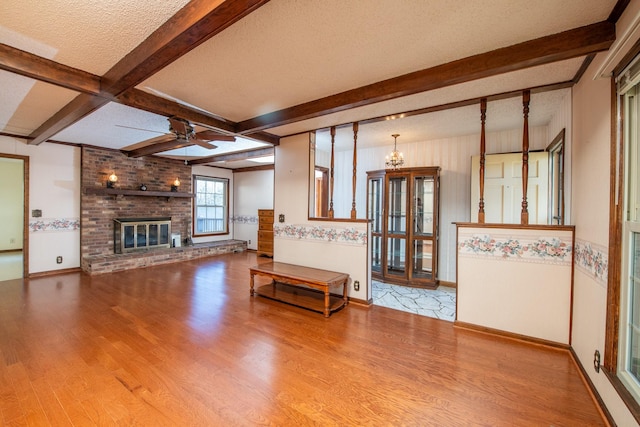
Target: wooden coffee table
<point>298,285</point>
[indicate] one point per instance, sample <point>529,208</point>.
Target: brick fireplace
<point>99,210</point>
<point>101,206</point>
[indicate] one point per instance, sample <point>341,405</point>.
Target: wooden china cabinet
<point>403,208</point>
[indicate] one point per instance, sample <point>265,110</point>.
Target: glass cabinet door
<point>423,227</point>
<point>397,226</point>
<point>397,206</point>
<point>422,259</point>
<point>375,211</point>
<point>396,256</point>
<point>423,202</point>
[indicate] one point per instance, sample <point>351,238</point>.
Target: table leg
<point>344,292</point>
<point>327,302</point>
<point>251,291</point>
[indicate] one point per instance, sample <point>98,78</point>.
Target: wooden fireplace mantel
<point>119,192</point>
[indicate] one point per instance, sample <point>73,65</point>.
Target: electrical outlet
<point>596,361</point>
<point>12,240</point>
<point>59,259</point>
<point>249,241</point>
<point>356,285</point>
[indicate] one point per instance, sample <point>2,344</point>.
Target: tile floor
<point>439,303</point>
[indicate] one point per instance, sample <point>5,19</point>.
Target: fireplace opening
<point>136,234</point>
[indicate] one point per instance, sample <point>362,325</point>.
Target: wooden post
<point>333,143</point>
<point>355,162</point>
<point>483,118</point>
<point>524,215</point>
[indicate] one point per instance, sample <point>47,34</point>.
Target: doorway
<point>14,249</point>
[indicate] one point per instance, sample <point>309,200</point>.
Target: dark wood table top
<point>298,272</point>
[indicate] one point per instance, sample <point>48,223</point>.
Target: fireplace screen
<point>133,234</point>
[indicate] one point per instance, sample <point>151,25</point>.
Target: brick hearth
<point>118,262</point>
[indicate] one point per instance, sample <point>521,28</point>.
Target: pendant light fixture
<point>395,160</point>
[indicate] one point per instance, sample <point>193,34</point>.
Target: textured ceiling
<point>285,53</point>
<point>89,35</point>
<point>289,52</point>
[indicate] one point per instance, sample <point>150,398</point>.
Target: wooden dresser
<point>265,232</point>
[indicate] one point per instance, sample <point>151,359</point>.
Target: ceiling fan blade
<point>210,135</point>
<point>202,143</point>
<point>180,126</point>
<point>144,130</point>
<point>157,147</point>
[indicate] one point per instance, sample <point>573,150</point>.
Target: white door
<point>503,188</point>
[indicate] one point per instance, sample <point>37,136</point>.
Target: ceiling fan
<point>183,131</point>
<point>182,134</point>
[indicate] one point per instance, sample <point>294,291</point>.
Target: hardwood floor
<point>185,344</point>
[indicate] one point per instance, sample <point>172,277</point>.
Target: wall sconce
<point>111,180</point>
<point>175,185</point>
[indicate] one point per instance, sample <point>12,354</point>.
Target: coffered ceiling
<point>110,73</point>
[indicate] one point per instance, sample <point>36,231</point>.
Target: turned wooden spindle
<point>333,143</point>
<point>355,162</point>
<point>524,215</point>
<point>483,118</point>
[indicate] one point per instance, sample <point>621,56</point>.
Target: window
<point>556,179</point>
<point>211,207</point>
<point>629,344</point>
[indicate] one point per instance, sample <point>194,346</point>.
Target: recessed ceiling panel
<point>27,103</point>
<point>115,126</point>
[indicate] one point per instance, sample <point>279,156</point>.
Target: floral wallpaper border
<point>54,224</point>
<point>244,219</point>
<point>546,250</point>
<point>349,236</point>
<point>592,259</point>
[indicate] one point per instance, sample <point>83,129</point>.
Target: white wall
<point>516,279</point>
<point>310,243</point>
<point>252,190</point>
<point>590,214</point>
<point>54,188</point>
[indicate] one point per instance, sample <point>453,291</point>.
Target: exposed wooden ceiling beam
<point>583,68</point>
<point>557,47</point>
<point>192,25</point>
<point>240,155</point>
<point>81,106</point>
<point>264,137</point>
<point>617,10</point>
<point>154,104</point>
<point>195,23</point>
<point>34,66</point>
<point>43,69</point>
<point>452,105</point>
<point>255,168</point>
<point>170,142</point>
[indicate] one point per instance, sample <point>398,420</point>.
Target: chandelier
<point>394,160</point>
